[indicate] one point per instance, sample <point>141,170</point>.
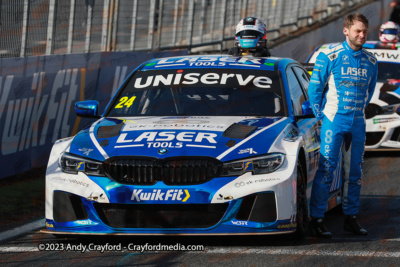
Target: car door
<point>312,130</point>
<point>298,80</point>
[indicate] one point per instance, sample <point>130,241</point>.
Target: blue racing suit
<point>341,86</point>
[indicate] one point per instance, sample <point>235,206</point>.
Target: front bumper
<point>249,204</point>
<point>383,132</point>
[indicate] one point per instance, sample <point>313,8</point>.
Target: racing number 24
<point>125,102</point>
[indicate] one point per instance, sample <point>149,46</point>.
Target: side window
<point>303,77</point>
<point>296,92</point>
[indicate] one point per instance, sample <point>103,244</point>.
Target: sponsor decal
<point>383,56</point>
<point>345,59</point>
<point>333,56</point>
<point>349,84</point>
<point>345,99</point>
<point>353,108</point>
<point>248,166</point>
<point>240,184</point>
<point>318,65</point>
<point>73,181</point>
<point>263,180</point>
<point>183,120</point>
<point>287,225</point>
<point>257,181</point>
<point>49,225</point>
<point>172,125</point>
<point>85,222</point>
<point>86,151</point>
<point>239,222</point>
<point>163,139</point>
<point>315,75</point>
<point>80,166</point>
<point>354,71</point>
<point>383,120</point>
<point>247,150</point>
<point>202,78</point>
<point>353,93</point>
<point>177,195</point>
<point>314,81</point>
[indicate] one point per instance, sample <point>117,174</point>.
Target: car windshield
<point>388,70</point>
<point>216,92</point>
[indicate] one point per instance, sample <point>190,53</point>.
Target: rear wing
<point>308,66</point>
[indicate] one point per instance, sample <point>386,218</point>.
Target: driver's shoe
<point>351,225</point>
<point>318,228</point>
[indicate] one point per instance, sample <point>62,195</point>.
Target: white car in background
<point>383,112</point>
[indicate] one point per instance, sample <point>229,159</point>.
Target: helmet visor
<point>250,34</point>
<point>390,31</point>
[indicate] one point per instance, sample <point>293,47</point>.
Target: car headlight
<point>70,163</point>
<point>390,109</point>
<point>258,165</point>
<point>372,110</point>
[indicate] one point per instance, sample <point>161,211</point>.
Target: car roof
<point>383,52</point>
<point>216,61</point>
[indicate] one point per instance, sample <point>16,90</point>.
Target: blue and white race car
<point>383,112</point>
<point>197,145</point>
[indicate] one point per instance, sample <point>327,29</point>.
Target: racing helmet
<point>251,33</point>
<point>389,32</point>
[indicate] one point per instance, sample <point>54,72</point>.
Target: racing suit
<point>341,86</point>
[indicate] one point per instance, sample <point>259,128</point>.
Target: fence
<point>44,27</point>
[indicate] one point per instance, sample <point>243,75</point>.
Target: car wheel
<point>301,200</point>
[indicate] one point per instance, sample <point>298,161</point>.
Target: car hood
<point>224,138</point>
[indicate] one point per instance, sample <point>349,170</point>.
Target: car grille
<point>172,171</point>
<point>373,138</point>
<point>161,215</point>
<point>396,135</point>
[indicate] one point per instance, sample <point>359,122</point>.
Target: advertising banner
<point>37,97</point>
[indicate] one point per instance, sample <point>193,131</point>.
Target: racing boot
<point>351,225</point>
<point>318,228</point>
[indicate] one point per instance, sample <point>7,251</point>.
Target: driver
<point>251,37</point>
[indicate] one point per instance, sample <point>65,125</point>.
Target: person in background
<point>341,86</point>
<point>395,15</point>
<point>250,37</point>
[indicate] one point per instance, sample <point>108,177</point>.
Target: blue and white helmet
<point>389,32</point>
<point>251,33</point>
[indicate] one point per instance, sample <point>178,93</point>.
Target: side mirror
<point>306,108</point>
<point>87,109</point>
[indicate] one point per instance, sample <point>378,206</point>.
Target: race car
<point>196,145</point>
<point>383,112</point>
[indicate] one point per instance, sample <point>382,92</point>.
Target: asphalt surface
<point>379,214</point>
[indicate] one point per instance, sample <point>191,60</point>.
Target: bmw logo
<point>162,151</point>
<point>249,19</point>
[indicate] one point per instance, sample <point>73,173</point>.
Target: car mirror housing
<point>306,108</point>
<point>87,109</point>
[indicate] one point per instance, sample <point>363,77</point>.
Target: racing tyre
<point>301,200</point>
